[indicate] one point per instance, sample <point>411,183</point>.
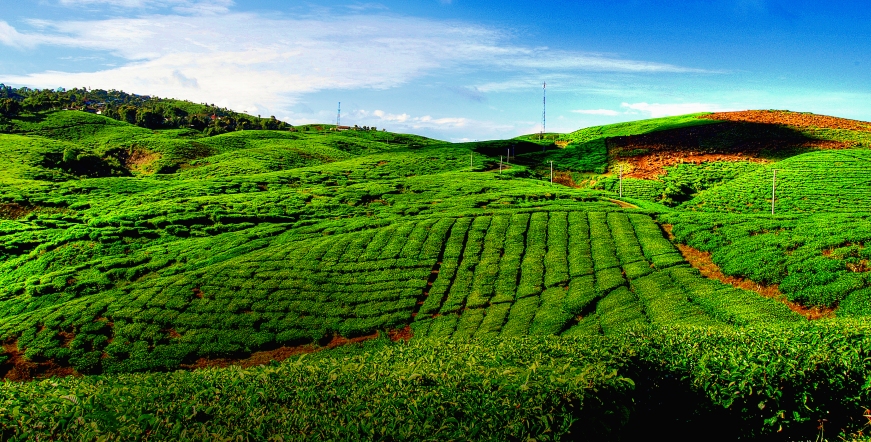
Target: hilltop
<point>414,287</point>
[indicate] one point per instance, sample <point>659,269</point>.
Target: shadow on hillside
<point>756,140</point>
<point>31,118</point>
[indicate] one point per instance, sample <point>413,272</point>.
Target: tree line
<point>142,110</point>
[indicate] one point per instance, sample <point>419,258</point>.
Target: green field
<point>130,256</point>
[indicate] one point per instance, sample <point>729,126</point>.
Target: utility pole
<point>551,172</point>
<point>500,164</point>
<point>773,187</point>
<point>621,181</point>
<point>508,157</point>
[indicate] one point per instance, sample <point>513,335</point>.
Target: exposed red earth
<point>17,368</point>
<point>703,262</point>
<point>13,211</point>
<point>20,369</point>
<point>786,118</point>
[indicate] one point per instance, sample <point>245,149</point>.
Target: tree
<point>9,108</point>
<point>149,118</point>
<point>127,113</point>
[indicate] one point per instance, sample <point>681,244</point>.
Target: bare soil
<point>623,204</point>
<point>564,178</point>
<point>282,353</point>
<point>786,118</point>
<point>138,159</point>
<point>14,211</point>
<point>703,262</point>
<point>651,167</point>
<point>17,368</point>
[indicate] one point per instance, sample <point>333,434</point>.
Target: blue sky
<point>453,69</point>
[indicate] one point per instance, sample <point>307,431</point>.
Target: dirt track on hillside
<point>703,262</point>
<point>18,368</point>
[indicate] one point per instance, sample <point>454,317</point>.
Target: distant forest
<point>141,110</point>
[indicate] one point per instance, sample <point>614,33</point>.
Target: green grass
<point>637,127</point>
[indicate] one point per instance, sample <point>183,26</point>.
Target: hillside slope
<point>125,249</point>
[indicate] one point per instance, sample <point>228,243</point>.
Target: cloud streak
<point>606,112</point>
<point>657,110</point>
<point>264,64</point>
<point>180,6</point>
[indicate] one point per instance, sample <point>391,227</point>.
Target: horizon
<point>455,70</point>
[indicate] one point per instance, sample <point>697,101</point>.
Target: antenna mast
<point>339,116</point>
<point>543,108</point>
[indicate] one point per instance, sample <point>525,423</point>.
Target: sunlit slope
<point>547,271</point>
<point>145,151</point>
<point>815,182</point>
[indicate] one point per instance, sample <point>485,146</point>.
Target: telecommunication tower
<point>543,108</point>
<point>339,116</point>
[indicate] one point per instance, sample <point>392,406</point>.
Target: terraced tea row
<point>484,276</point>
<point>575,273</point>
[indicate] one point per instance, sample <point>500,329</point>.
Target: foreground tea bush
<point>514,390</point>
<point>774,383</point>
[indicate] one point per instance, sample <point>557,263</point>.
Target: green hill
<point>554,311</point>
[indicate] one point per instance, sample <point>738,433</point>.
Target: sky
<point>455,70</point>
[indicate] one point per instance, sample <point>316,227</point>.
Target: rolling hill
<point>418,289</point>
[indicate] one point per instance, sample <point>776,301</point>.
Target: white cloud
<point>563,60</point>
<point>607,112</point>
<point>181,6</point>
<point>657,110</point>
<point>11,37</point>
<point>263,64</point>
<point>380,118</point>
<point>366,6</point>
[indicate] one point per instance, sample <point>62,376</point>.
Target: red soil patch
<point>788,118</point>
<point>282,353</point>
<point>403,334</point>
<point>138,159</point>
<point>65,338</point>
<point>650,167</point>
<point>703,262</point>
<point>14,211</point>
<point>17,368</point>
<point>564,178</point>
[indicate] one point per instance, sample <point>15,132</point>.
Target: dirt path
<point>703,262</point>
<point>17,368</point>
<point>623,204</point>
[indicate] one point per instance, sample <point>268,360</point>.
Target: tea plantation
<point>138,266</point>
